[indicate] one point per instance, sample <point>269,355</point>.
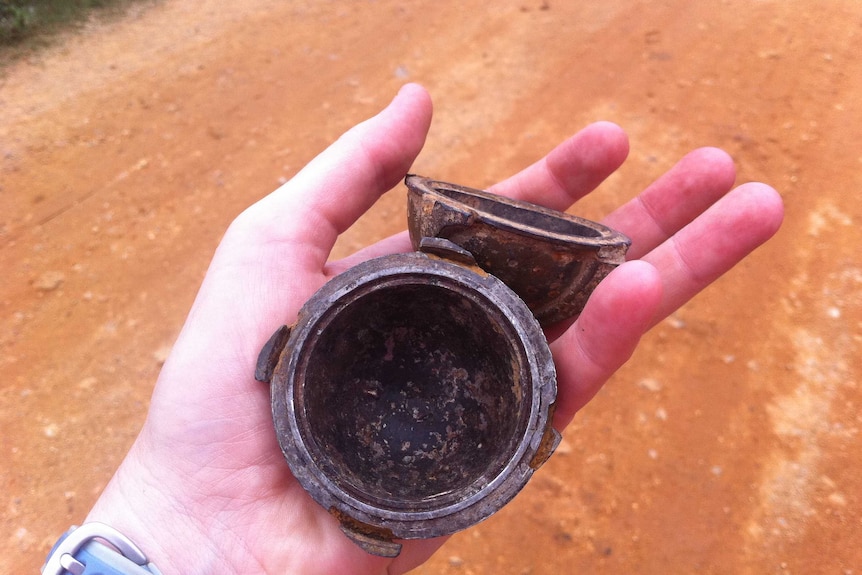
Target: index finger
<point>571,170</point>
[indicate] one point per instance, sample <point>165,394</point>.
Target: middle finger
<point>696,182</point>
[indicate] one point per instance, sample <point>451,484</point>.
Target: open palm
<point>205,488</point>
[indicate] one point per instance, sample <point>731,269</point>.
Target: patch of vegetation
<point>31,22</point>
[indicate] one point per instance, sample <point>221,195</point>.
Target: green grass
<point>31,23</point>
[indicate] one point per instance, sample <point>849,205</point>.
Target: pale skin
<point>205,488</point>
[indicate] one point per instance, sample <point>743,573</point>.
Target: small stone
<point>837,499</point>
<point>650,384</point>
<point>769,54</point>
<point>23,538</point>
<point>455,561</point>
<point>564,448</point>
<point>161,354</point>
<point>51,430</point>
<point>49,281</point>
<point>87,383</point>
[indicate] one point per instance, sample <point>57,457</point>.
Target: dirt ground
<point>729,444</point>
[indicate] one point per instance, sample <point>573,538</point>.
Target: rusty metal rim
<point>465,511</point>
<point>599,236</point>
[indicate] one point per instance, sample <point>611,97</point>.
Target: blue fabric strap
<point>96,549</point>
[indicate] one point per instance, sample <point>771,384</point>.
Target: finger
<point>340,184</point>
<point>605,335</point>
<point>571,170</point>
<point>691,186</point>
<point>713,243</point>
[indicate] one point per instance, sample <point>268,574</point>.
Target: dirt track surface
<point>729,444</point>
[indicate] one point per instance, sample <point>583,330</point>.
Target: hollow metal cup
<point>551,259</point>
<point>413,397</point>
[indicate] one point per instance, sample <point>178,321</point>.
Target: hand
<point>205,487</point>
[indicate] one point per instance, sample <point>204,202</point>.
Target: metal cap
<point>551,259</point>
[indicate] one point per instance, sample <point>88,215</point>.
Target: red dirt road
<point>729,444</point>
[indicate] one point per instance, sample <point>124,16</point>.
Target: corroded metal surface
<point>413,397</point>
<point>551,259</point>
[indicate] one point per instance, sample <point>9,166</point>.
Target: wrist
<point>141,505</point>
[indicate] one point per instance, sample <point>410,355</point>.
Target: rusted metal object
<point>551,259</point>
<point>414,395</point>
